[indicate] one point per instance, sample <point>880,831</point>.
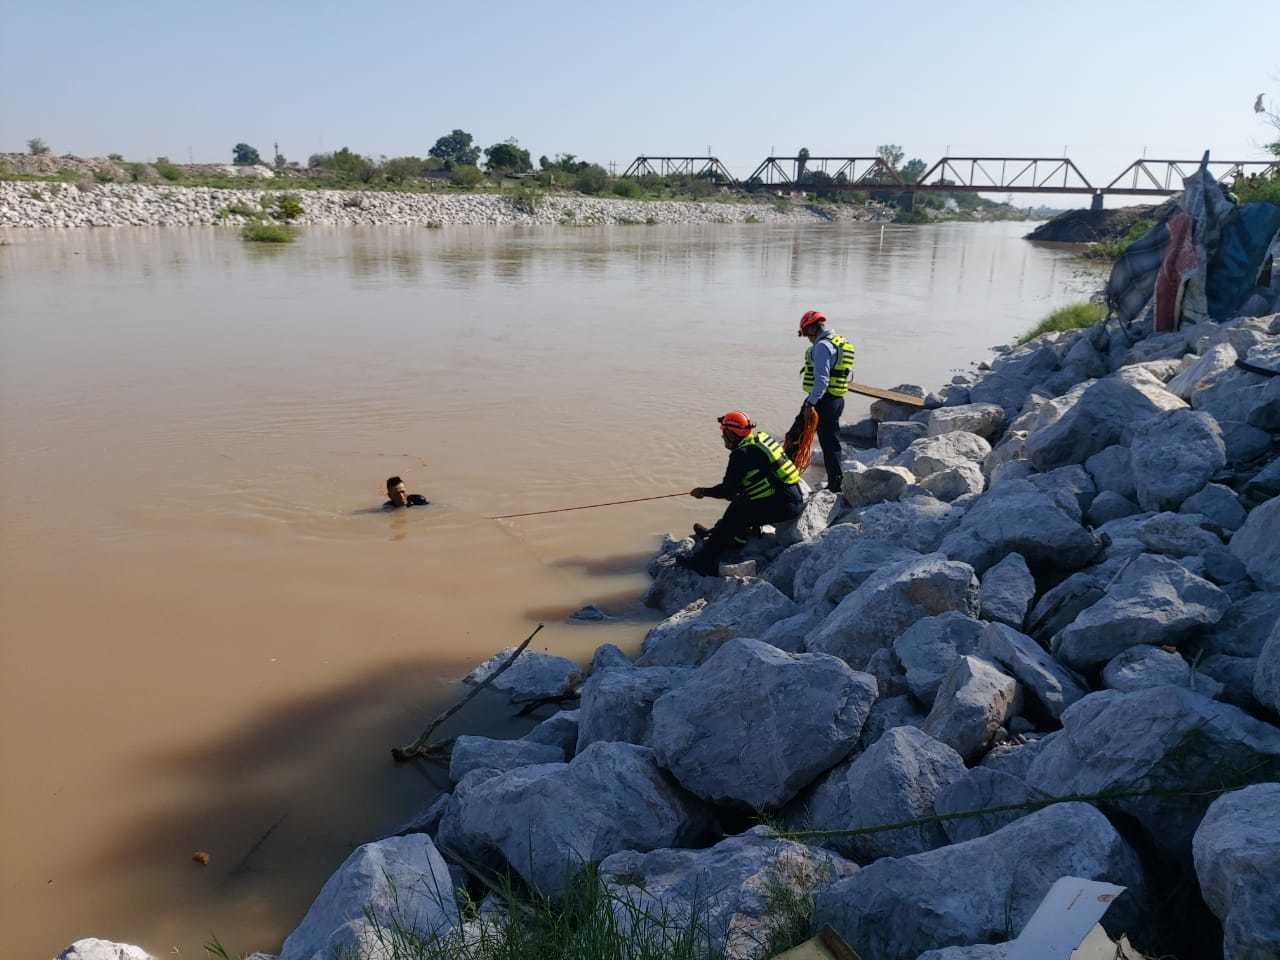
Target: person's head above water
<point>397,493</point>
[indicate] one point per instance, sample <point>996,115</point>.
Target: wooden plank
<point>903,398</point>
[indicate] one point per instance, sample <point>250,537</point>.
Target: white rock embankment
<point>37,204</point>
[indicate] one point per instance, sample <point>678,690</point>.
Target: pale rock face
<point>839,578</point>
<point>967,893</point>
<point>91,948</point>
<point>545,822</point>
<point>897,778</point>
<point>814,556</point>
<point>1052,686</point>
<point>979,789</point>
<point>1266,677</point>
<point>1237,860</point>
<point>726,889</point>
<point>1244,630</point>
<point>820,511</point>
<point>1108,506</point>
<point>689,637</point>
<point>930,647</point>
<point>1161,738</point>
<point>561,728</point>
<point>954,482</point>
<point>1257,544</point>
<point>890,601</point>
<point>1219,504</point>
<point>1209,364</point>
<point>1111,470</point>
<point>806,710</point>
<point>876,484</point>
<point>1007,591</point>
<point>1154,600</point>
<point>1016,517</point>
<point>533,676</point>
<point>617,705</point>
<point>918,523</point>
<point>934,454</point>
<point>400,880</point>
<point>985,419</point>
<point>478,753</point>
<point>1235,675</point>
<point>897,435</point>
<point>973,702</point>
<point>1174,455</point>
<point>887,713</point>
<point>1070,488</point>
<point>1141,667</point>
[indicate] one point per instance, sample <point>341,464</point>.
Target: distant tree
<point>404,168</point>
<point>802,160</point>
<point>912,169</point>
<point>243,155</point>
<point>591,179</point>
<point>507,157</point>
<point>456,148</point>
<point>891,154</point>
<point>466,175</point>
<point>37,147</point>
<point>116,157</point>
<point>345,164</point>
<point>279,162</point>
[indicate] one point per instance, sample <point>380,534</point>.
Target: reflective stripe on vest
<point>841,367</point>
<point>761,484</point>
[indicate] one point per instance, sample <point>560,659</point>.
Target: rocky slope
<point>1059,582</point>
<point>1091,226</point>
<point>40,204</point>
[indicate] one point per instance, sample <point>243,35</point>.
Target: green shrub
<point>627,187</point>
<point>37,147</point>
<point>1258,189</point>
<point>1076,316</point>
<point>752,218</point>
<point>169,171</point>
<point>262,232</point>
<point>914,216</point>
<point>116,157</point>
<point>104,176</point>
<point>526,199</point>
<point>592,179</point>
<point>288,207</point>
<point>1112,249</point>
<point>466,175</point>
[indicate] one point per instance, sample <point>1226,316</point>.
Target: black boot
<point>701,562</point>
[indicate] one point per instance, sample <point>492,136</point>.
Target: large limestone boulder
<point>882,410</point>
<point>754,726</point>
<point>1159,739</point>
<point>91,948</point>
<point>1007,591</point>
<point>987,420</point>
<point>617,704</point>
<point>1218,504</point>
<point>897,778</point>
<point>1257,544</point>
<point>1108,506</point>
<point>973,702</point>
<point>982,788</point>
<point>1237,858</point>
<point>1106,414</point>
<point>933,454</point>
<point>1235,675</point>
<point>1052,686</point>
<point>400,881</point>
<point>1071,488</point>
<point>690,636</point>
<point>930,647</point>
<point>1016,517</point>
<point>850,570</point>
<point>918,523</point>
<point>558,730</point>
<point>1266,676</point>
<point>1141,667</point>
<point>533,676</point>
<point>790,634</point>
<point>1015,375</point>
<point>1209,364</point>
<point>890,601</point>
<point>1111,470</point>
<point>816,554</point>
<point>1060,605</point>
<point>1154,600</point>
<point>548,821</point>
<point>876,484</point>
<point>898,710</point>
<point>725,893</point>
<point>481,753</point>
<point>975,892</point>
<point>955,482</point>
<point>897,435</point>
<point>1244,629</point>
<point>1174,455</point>
<point>821,509</point>
<point>675,587</point>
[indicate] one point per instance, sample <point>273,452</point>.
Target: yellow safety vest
<point>841,368</point>
<point>759,484</point>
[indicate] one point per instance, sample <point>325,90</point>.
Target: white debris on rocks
<point>36,204</point>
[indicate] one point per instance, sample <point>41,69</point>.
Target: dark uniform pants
<point>742,515</point>
<point>829,409</point>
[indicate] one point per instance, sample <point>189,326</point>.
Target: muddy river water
<point>210,636</point>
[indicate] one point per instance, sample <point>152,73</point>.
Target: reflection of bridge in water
<point>1046,175</point>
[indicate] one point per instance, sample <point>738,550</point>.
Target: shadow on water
<point>623,605</point>
<point>612,565</point>
<point>279,800</point>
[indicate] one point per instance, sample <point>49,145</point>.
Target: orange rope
<point>589,506</point>
<point>803,454</point>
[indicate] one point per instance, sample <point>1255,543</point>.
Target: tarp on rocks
<point>1246,237</point>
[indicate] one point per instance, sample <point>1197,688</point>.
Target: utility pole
<point>613,168</point>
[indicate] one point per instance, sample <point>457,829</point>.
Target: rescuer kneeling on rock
<point>762,485</point>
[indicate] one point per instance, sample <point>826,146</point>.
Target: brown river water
<point>210,636</point>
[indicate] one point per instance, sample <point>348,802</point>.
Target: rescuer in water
<point>760,483</point>
<point>398,496</point>
<point>828,365</point>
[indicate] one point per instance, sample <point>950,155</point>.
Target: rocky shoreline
<point>44,205</point>
<point>1059,580</point>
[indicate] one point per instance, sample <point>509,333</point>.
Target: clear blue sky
<point>608,81</point>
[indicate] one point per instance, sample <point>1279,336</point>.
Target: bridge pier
<point>1097,200</point>
<point>908,201</point>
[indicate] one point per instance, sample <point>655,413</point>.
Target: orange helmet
<point>736,423</point>
<point>809,319</point>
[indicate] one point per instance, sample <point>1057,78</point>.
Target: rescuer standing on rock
<point>762,485</point>
<point>828,365</point>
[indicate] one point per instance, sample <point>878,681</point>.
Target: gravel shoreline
<point>42,205</point>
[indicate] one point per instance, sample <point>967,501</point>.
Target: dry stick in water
<point>419,746</point>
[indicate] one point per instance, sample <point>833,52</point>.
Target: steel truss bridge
<point>1047,175</point>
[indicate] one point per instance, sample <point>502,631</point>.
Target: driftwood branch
<point>419,747</point>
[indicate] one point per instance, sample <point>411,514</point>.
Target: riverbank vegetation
<point>1113,248</point>
<point>1075,316</point>
<point>263,231</point>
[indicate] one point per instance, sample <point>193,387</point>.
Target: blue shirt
<point>824,356</point>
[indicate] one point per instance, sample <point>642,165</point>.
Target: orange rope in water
<point>589,506</point>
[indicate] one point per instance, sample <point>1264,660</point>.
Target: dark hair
<point>392,481</point>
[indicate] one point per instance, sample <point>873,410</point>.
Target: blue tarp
<point>1247,233</point>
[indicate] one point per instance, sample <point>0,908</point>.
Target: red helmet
<point>810,318</point>
<point>736,423</point>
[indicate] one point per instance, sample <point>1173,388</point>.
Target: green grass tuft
<point>262,232</point>
<point>1076,316</point>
